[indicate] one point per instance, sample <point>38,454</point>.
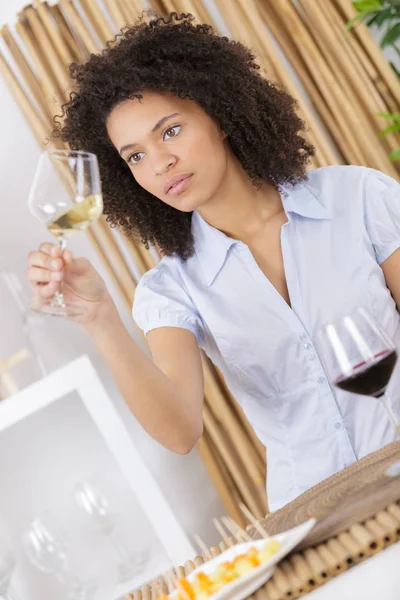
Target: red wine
<point>370,378</point>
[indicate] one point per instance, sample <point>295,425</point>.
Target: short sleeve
<point>382,213</point>
<point>162,301</point>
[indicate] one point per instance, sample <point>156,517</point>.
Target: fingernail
<point>54,251</point>
<point>54,264</point>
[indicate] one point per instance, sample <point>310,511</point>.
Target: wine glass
<point>46,550</point>
<point>359,357</point>
<point>103,516</point>
<point>7,568</point>
<point>66,197</point>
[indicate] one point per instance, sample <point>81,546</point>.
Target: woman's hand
<point>81,283</point>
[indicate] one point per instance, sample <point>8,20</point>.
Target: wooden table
<point>378,578</point>
<point>350,496</point>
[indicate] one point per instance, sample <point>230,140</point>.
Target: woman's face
<point>173,148</point>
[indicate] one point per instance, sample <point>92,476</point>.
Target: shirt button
<point>307,346</point>
<point>338,425</point>
<point>302,336</point>
<point>312,357</point>
<point>321,379</point>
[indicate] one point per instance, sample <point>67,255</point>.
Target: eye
<point>172,132</point>
<point>135,158</point>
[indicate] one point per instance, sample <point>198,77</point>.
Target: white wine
<point>77,218</point>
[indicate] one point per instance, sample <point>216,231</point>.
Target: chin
<point>188,203</point>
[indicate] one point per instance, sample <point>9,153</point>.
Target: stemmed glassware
<point>102,515</point>
<point>7,568</point>
<point>359,357</point>
<point>44,545</point>
<point>66,197</point>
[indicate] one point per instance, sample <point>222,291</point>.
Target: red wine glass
<point>359,357</point>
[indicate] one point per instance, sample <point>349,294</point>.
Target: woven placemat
<point>350,496</point>
<point>359,515</point>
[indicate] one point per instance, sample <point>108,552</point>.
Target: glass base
<point>60,310</point>
<point>133,564</point>
<point>80,590</point>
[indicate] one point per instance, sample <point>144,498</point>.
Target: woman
<point>203,157</point>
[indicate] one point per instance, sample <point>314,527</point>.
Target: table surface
<point>350,496</point>
<point>377,578</point>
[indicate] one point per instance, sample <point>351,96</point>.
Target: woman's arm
<point>391,271</point>
<point>165,394</point>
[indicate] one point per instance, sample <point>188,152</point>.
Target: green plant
<point>394,127</point>
<point>385,15</point>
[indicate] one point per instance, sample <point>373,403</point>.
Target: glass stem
<point>58,298</point>
<point>395,423</point>
<point>119,546</point>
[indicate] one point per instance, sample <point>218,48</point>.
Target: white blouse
<point>343,222</point>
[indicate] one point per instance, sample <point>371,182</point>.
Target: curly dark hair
<point>190,61</point>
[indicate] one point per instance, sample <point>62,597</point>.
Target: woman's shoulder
<point>167,273</point>
<point>336,175</point>
<point>339,187</point>
<point>341,176</point>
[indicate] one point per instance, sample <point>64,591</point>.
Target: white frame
<point>80,376</point>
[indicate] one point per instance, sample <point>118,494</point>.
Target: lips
<point>178,182</point>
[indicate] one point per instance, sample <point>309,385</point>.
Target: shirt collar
<point>302,199</point>
<point>212,246</point>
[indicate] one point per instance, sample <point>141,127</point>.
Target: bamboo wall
<point>341,81</point>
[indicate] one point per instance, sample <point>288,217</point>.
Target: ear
<point>223,134</point>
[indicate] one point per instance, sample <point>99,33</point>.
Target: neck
<point>239,209</point>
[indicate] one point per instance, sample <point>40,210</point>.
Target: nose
<point>163,163</point>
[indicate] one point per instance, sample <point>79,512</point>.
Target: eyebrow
<point>157,126</point>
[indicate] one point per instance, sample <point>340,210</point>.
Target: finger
<point>39,275</point>
<point>67,256</point>
<point>36,258</point>
<point>46,291</point>
<point>50,249</point>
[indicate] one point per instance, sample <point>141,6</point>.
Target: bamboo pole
<point>137,256</point>
<point>48,49</point>
<point>369,94</point>
<point>224,414</point>
<point>102,253</point>
<point>43,13</point>
<point>118,265</point>
<point>233,463</point>
<point>336,61</point>
<point>346,118</point>
<point>275,70</point>
<point>197,9</point>
<point>98,21</point>
<point>388,76</point>
<point>270,18</point>
<point>220,482</point>
<point>158,7</point>
<point>38,127</point>
<point>79,27</point>
<point>65,32</point>
<point>115,12</point>
<point>25,71</point>
<point>52,95</point>
<point>324,150</point>
<point>169,6</point>
<point>127,11</point>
